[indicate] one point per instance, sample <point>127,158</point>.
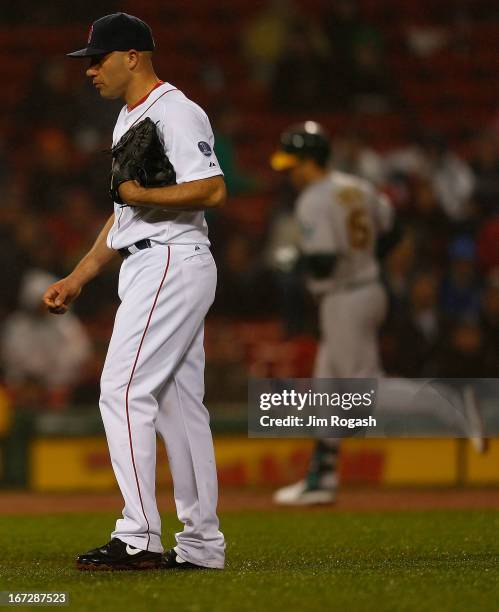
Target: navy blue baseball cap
<point>116,32</point>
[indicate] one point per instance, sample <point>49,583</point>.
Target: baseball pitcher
<point>164,175</point>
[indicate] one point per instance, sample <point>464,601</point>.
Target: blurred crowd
<point>442,278</point>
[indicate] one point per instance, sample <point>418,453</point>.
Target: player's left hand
<point>130,191</point>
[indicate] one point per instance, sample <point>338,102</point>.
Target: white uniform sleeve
<point>189,142</point>
<point>316,226</point>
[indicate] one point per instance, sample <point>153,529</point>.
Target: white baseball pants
<point>349,325</point>
<point>153,382</point>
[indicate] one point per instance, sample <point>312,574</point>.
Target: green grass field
<point>292,561</point>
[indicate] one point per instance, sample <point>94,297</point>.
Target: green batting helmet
<point>308,140</point>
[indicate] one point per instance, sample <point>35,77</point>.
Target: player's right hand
<point>59,295</point>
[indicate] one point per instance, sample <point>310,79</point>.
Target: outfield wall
<point>82,463</point>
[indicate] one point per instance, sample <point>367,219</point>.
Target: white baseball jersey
<point>344,215</point>
<point>153,378</point>
<point>188,140</point>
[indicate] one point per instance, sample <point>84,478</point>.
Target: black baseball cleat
<point>171,560</point>
<point>117,555</point>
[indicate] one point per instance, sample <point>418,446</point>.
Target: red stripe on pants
<point>128,389</point>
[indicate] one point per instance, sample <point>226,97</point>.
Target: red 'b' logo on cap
<point>90,32</point>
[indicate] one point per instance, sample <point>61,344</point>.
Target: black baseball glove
<point>140,156</point>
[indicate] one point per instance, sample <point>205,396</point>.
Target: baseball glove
<point>140,156</point>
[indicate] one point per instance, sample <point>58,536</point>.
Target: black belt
<point>140,245</point>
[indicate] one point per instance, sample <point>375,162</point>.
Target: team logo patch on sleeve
<point>205,148</point>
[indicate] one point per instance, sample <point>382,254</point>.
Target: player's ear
<point>132,59</point>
